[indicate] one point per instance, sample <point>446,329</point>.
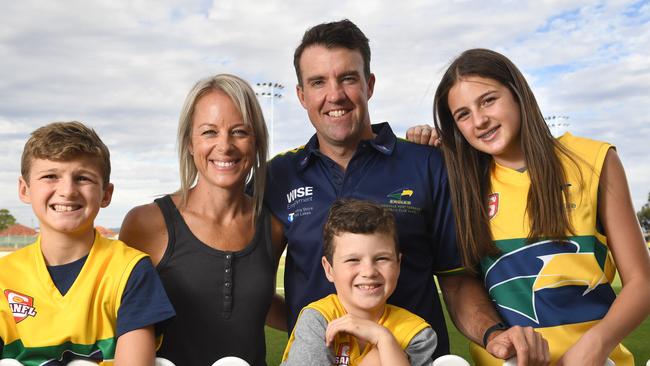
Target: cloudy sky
<point>124,67</point>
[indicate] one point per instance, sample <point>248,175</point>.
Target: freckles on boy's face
<point>65,195</point>
<point>364,270</point>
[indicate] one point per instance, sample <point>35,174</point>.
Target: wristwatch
<point>490,330</point>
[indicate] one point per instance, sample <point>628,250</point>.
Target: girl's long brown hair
<point>469,169</point>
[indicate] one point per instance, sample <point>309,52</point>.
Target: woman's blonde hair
<point>243,97</point>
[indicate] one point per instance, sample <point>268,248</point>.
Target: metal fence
<point>17,241</point>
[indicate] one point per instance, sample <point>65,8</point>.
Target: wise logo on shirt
<point>343,355</point>
<point>22,306</point>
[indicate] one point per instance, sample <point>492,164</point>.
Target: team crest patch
<point>493,205</point>
<point>21,305</point>
<point>343,355</point>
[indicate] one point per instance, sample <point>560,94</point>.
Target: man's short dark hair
<point>356,217</point>
<point>343,33</point>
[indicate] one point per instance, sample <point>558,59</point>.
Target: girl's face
<point>489,118</point>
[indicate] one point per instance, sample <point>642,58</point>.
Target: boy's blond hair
<point>63,141</point>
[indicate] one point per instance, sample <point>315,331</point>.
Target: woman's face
<point>488,116</point>
<point>223,146</point>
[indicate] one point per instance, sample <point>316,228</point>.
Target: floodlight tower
<point>271,90</point>
<point>557,124</point>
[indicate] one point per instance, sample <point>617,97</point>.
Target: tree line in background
<point>7,219</point>
<point>644,215</point>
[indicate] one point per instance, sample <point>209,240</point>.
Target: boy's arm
<point>390,352</point>
<point>421,347</point>
<point>136,348</point>
<point>308,346</point>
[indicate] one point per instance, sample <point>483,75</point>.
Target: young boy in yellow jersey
<point>74,294</point>
<point>355,326</point>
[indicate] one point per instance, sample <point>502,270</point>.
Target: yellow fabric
<point>510,227</point>
<point>86,314</point>
<point>403,324</point>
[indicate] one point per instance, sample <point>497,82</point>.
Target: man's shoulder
<point>287,160</point>
<point>291,154</point>
<point>404,146</point>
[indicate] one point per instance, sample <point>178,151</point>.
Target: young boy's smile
<point>364,270</point>
<point>65,195</point>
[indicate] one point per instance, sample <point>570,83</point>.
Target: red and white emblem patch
<point>493,205</point>
<point>343,355</point>
<point>21,305</point>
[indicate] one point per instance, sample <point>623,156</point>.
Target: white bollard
<point>230,361</point>
<point>163,362</point>
<point>10,362</point>
<point>81,363</point>
<point>450,360</point>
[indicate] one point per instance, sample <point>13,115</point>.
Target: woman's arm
<point>625,240</point>
<point>277,315</point>
<point>136,348</point>
<point>144,228</point>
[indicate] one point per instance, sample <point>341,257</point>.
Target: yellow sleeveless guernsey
<point>403,324</point>
<point>49,326</point>
<point>560,288</point>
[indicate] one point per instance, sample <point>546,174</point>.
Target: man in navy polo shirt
<point>349,157</point>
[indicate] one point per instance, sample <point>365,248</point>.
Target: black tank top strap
<point>265,225</point>
<point>170,214</point>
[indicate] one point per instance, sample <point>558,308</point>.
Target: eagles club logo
<point>493,205</point>
<point>548,283</point>
<point>21,305</point>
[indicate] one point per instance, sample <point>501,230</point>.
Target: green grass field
<point>638,342</point>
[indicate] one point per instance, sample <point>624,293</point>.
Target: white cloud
<point>124,67</point>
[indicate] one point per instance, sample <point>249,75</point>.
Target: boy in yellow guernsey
<point>74,294</point>
<point>355,326</point>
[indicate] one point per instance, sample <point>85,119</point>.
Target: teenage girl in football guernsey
<point>546,222</point>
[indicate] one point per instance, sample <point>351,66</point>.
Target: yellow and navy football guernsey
<point>403,324</point>
<point>408,179</point>
<point>50,328</point>
<point>560,288</point>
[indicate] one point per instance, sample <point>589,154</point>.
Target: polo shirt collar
<point>384,142</point>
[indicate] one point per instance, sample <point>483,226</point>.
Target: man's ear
<point>301,95</point>
<point>371,85</point>
<point>23,190</point>
<point>108,194</point>
<point>329,271</point>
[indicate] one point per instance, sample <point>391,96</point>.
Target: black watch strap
<point>490,330</point>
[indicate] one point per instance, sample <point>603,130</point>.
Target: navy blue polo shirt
<point>409,179</point>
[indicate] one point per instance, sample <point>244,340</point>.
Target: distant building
<point>16,236</point>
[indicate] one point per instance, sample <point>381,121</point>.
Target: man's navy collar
<point>384,142</point>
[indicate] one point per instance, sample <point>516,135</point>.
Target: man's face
<point>335,94</point>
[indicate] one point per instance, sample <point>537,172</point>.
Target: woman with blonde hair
<point>210,241</point>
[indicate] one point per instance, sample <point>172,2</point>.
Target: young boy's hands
<point>385,349</point>
<point>363,329</point>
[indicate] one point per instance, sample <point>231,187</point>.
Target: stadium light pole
<point>273,91</point>
<point>557,123</point>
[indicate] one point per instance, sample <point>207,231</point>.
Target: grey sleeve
<point>308,347</point>
<point>420,349</point>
